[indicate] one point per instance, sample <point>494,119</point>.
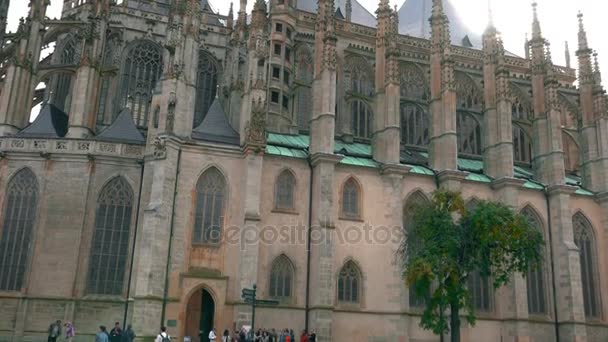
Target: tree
<point>446,243</point>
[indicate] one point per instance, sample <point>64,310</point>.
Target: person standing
<point>313,337</point>
<point>212,335</point>
<point>102,335</point>
<point>304,337</point>
<point>116,333</point>
<point>226,336</point>
<point>128,335</point>
<point>70,332</point>
<point>54,331</point>
<point>163,336</point>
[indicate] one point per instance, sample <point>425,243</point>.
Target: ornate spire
<point>597,74</point>
<point>567,52</point>
<point>536,32</point>
<point>230,21</point>
<point>437,10</point>
<point>583,44</point>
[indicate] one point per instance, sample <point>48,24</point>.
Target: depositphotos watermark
<point>298,234</point>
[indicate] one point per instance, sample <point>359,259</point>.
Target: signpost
<point>248,296</point>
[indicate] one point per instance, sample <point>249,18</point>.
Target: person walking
<point>70,332</point>
<point>128,335</point>
<point>116,333</point>
<point>54,331</point>
<point>163,336</point>
<point>102,335</point>
<point>212,335</point>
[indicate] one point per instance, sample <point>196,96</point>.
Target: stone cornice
<point>394,169</point>
<point>560,189</point>
<point>320,157</point>
<point>602,197</point>
<point>451,175</point>
<point>505,182</point>
<point>48,146</point>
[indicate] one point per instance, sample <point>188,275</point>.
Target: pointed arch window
<point>469,134</point>
<point>468,94</point>
<point>63,80</point>
<point>408,221</point>
<point>206,85</point>
<point>351,197</point>
<point>17,230</point>
<point>284,191</point>
<point>414,84</point>
<point>210,207</point>
<point>142,69</point>
<point>480,291</point>
<point>584,240</point>
<point>414,125</point>
<point>349,284</point>
<point>110,244</point>
<point>361,119</point>
<point>281,278</point>
<point>303,87</point>
<point>536,277</point>
<point>522,147</point>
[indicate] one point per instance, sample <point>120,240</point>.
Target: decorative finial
<point>536,32</point>
<point>583,44</point>
<point>596,67</point>
<point>567,55</point>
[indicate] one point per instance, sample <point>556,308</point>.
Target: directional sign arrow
<point>267,302</point>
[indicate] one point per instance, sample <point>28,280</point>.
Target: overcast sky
<point>512,17</point>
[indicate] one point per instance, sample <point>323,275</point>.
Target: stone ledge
<point>504,182</point>
<point>47,147</point>
<point>394,169</point>
<point>329,158</point>
<point>561,189</point>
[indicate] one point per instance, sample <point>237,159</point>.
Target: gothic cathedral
<point>181,155</point>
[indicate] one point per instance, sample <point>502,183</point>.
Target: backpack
<point>165,338</point>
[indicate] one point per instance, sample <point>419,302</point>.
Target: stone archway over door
<point>200,316</point>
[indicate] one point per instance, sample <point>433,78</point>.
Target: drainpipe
<point>172,224</point>
<point>141,182</point>
<point>553,280</point>
<point>308,245</point>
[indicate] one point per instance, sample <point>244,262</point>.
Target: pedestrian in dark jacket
<point>128,335</point>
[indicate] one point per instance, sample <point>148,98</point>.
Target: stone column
<point>19,82</point>
<point>152,245</point>
<point>512,297</point>
<point>443,152</point>
<point>498,128</point>
<point>386,139</point>
<point>85,99</point>
<point>323,160</point>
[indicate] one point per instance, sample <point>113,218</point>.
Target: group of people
<point>55,331</point>
<point>116,334</point>
<point>262,335</point>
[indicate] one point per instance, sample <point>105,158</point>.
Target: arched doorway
<point>200,315</point>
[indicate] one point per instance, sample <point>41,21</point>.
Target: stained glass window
<point>210,202</point>
<point>349,284</point>
<point>281,278</point>
<point>206,85</point>
<point>584,240</point>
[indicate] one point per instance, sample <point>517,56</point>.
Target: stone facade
<point>358,118</point>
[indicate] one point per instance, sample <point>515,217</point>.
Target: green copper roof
<point>359,154</point>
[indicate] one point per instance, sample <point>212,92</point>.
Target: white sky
<point>512,17</point>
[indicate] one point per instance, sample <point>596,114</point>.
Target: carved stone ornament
<point>160,148</point>
<point>256,128</point>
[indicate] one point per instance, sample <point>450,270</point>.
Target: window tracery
<point>206,85</point>
<point>349,284</point>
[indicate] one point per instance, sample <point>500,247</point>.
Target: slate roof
<point>52,122</point>
<point>123,130</point>
<point>359,15</point>
<point>215,127</point>
<point>414,21</point>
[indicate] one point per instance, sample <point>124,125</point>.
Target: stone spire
<point>536,32</point>
<point>596,70</point>
<point>567,53</point>
<point>583,44</point>
<point>349,10</point>
<point>584,54</point>
<point>230,20</point>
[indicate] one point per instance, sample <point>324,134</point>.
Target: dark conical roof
<point>52,122</point>
<point>414,21</point>
<point>215,127</point>
<point>123,130</point>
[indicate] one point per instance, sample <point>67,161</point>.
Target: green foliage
<point>446,243</point>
